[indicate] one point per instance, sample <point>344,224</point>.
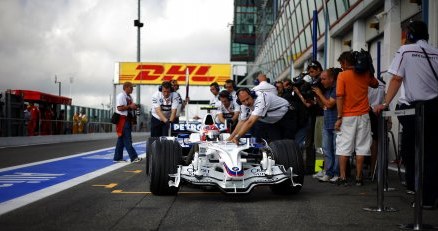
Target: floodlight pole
<point>59,84</point>
<point>139,25</point>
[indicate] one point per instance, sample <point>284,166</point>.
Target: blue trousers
<point>125,141</point>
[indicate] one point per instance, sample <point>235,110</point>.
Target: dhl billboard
<point>156,73</point>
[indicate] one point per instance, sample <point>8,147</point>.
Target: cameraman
<point>307,112</point>
<point>353,121</point>
<point>164,107</point>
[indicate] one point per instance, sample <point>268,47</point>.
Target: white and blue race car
<point>213,161</point>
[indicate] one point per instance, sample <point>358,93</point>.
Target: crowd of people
<point>42,120</point>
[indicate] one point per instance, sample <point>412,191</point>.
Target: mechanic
<point>214,100</point>
<point>263,85</point>
<point>125,107</point>
<point>267,108</point>
<point>164,107</point>
<point>229,110</point>
<point>231,87</point>
<point>181,103</point>
<point>415,65</point>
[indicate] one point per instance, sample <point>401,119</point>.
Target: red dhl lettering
<point>178,72</point>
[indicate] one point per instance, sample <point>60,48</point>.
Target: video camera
<point>305,83</point>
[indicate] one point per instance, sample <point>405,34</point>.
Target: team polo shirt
<point>180,102</point>
<point>354,88</point>
<point>269,107</point>
<point>166,104</point>
<point>228,113</point>
<point>123,99</point>
<point>266,87</point>
<point>411,64</point>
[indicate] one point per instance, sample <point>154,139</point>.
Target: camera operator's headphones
<point>416,30</point>
<point>232,82</point>
<point>165,84</point>
<point>245,89</point>
<point>225,94</point>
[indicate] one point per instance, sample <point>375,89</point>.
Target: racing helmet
<point>210,133</point>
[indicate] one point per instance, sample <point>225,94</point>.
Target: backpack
<point>364,62</point>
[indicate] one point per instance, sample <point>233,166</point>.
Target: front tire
<point>164,160</point>
<point>288,154</point>
<point>150,141</point>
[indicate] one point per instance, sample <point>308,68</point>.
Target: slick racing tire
<point>164,160</point>
<point>288,154</point>
<point>149,151</point>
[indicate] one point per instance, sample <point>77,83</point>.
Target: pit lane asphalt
<point>129,205</point>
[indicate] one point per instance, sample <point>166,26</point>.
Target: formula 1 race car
<point>213,161</point>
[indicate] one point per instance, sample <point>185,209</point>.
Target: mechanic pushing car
<point>164,107</point>
<point>267,108</point>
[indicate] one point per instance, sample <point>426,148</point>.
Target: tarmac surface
<point>121,200</point>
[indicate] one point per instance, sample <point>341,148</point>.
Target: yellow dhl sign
<point>156,73</point>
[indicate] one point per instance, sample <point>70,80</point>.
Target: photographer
<point>164,107</point>
<point>125,107</point>
<point>326,98</point>
<point>307,112</point>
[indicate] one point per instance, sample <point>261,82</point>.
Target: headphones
<point>225,94</point>
<point>245,89</point>
<point>165,84</point>
<point>215,85</point>
<point>232,82</point>
<point>416,30</point>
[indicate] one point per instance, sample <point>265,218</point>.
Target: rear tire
<point>288,154</point>
<point>164,160</point>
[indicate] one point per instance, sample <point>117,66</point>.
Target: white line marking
<point>18,202</point>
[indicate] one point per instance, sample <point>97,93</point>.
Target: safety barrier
<point>382,162</point>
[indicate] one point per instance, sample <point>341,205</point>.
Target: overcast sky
<point>83,39</point>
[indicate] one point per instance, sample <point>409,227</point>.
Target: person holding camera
<point>326,98</point>
<point>307,112</point>
<point>125,107</point>
<point>267,108</point>
<point>164,106</point>
<point>353,121</point>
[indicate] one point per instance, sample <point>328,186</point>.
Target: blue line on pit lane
<point>27,179</point>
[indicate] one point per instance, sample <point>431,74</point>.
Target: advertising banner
<point>156,73</point>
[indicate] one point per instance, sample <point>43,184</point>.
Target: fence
<point>20,127</point>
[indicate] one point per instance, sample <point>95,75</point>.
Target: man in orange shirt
<point>353,122</point>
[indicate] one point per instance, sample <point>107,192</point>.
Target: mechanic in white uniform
<point>267,108</point>
<point>164,106</point>
<point>228,111</point>
<point>263,85</point>
<point>415,65</point>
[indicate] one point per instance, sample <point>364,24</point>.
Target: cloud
<point>83,39</point>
